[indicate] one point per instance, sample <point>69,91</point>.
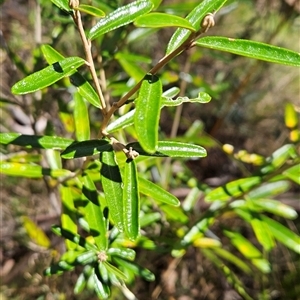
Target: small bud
<point>208,21</point>
<point>73,3</point>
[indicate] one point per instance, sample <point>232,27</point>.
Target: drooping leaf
<point>195,17</point>
<point>80,284</point>
<point>102,289</point>
<point>83,86</point>
<point>232,189</point>
<point>112,269</point>
<point>283,234</point>
<point>251,49</point>
<point>131,201</point>
<point>34,141</point>
<point>154,191</point>
<point>91,10</point>
<point>81,118</point>
<point>94,213</point>
<point>112,185</point>
<point>120,17</point>
<point>162,20</point>
<point>171,149</point>
<point>86,148</point>
<point>47,76</point>
<point>147,113</point>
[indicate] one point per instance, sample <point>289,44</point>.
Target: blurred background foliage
<point>247,112</point>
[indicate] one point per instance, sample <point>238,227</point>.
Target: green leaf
<point>233,189</point>
<point>83,86</point>
<point>283,234</point>
<point>62,4</point>
<point>154,191</point>
<point>262,233</point>
<point>112,185</point>
<point>93,213</point>
<point>273,206</point>
<point>162,20</point>
<point>47,76</point>
<point>269,190</point>
<point>125,253</point>
<point>80,284</point>
<point>293,173</point>
<point>81,118</point>
<point>88,257</point>
<point>131,201</point>
<point>202,98</point>
<point>34,141</point>
<point>195,17</point>
<point>251,49</point>
<point>122,122</point>
<point>120,17</point>
<point>91,10</point>
<point>86,148</point>
<point>146,118</point>
<point>248,250</point>
<point>290,116</point>
<point>171,149</point>
<point>102,290</point>
<point>30,170</point>
<point>74,237</point>
<point>112,269</point>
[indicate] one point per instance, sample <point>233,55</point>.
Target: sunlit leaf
<point>112,185</point>
<point>81,118</point>
<point>251,49</point>
<point>91,10</point>
<point>162,20</point>
<point>131,201</point>
<point>154,191</point>
<point>102,290</point>
<point>195,17</point>
<point>233,189</point>
<point>62,4</point>
<point>126,253</point>
<point>269,190</point>
<point>83,86</point>
<point>171,149</point>
<point>120,17</point>
<point>47,76</point>
<point>112,269</point>
<point>293,173</point>
<point>202,98</point>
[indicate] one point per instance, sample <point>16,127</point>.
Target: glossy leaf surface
<point>62,4</point>
<point>131,201</point>
<point>112,185</point>
<point>202,98</point>
<point>171,149</point>
<point>162,20</point>
<point>91,10</point>
<point>120,17</point>
<point>251,49</point>
<point>83,86</point>
<point>195,17</point>
<point>154,191</point>
<point>147,113</point>
<point>47,76</point>
<point>86,148</point>
<point>81,118</point>
<point>34,141</point>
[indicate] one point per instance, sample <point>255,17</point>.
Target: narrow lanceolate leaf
<point>293,173</point>
<point>195,17</point>
<point>131,201</point>
<point>251,49</point>
<point>102,290</point>
<point>112,185</point>
<point>120,17</point>
<point>233,189</point>
<point>47,76</point>
<point>162,20</point>
<point>154,191</point>
<point>86,148</point>
<point>30,170</point>
<point>93,213</point>
<point>147,113</point>
<point>81,118</point>
<point>171,149</point>
<point>112,269</point>
<point>62,4</point>
<point>283,234</point>
<point>34,141</point>
<point>202,98</point>
<point>83,86</point>
<point>91,10</point>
